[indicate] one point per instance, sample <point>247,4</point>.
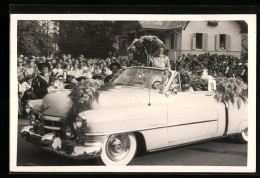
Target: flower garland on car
<point>228,90</point>
<point>83,96</point>
<point>231,90</point>
<point>145,44</point>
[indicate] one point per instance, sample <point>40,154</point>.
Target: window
<point>222,42</point>
<point>198,40</point>
<point>173,41</point>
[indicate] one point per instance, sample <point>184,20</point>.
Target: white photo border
<point>251,158</point>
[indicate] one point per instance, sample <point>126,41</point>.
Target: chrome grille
<point>52,124</point>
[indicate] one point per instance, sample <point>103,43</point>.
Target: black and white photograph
<point>132,93</point>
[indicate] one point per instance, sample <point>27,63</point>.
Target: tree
<point>34,37</point>
<point>91,38</point>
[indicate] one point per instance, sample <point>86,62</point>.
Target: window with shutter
<point>217,42</point>
<point>223,43</point>
<point>205,41</point>
<point>194,41</point>
<point>198,40</point>
<point>229,43</point>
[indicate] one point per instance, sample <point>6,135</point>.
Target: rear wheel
<point>118,149</point>
<point>243,136</point>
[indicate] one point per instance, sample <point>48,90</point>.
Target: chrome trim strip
<point>109,133</point>
<point>52,118</point>
<point>52,128</point>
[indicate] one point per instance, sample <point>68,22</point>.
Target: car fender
<point>243,125</point>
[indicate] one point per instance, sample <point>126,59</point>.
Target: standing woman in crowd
<point>20,70</point>
<point>160,60</point>
<point>42,81</point>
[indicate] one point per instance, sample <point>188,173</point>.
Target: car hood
<point>123,96</point>
<point>59,103</point>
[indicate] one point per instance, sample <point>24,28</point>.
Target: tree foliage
<point>91,38</point>
<point>29,38</point>
<point>34,37</point>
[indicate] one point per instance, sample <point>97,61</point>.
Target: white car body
<point>162,119</point>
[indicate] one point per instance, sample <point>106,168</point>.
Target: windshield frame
<point>173,74</point>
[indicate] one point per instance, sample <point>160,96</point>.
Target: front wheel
<point>118,149</point>
<point>243,136</point>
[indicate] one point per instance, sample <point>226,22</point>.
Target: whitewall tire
<point>118,149</point>
<point>243,136</point>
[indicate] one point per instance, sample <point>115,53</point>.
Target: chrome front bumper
<point>53,143</point>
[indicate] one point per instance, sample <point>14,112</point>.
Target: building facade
<point>183,37</point>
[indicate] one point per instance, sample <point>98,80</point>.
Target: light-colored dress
<point>161,62</point>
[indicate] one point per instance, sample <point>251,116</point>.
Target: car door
<point>192,116</point>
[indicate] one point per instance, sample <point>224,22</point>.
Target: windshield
<point>142,77</point>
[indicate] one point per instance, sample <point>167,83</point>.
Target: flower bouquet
<point>143,46</point>
<point>83,96</point>
<point>231,90</point>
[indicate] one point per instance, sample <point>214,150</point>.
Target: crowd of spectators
<point>67,68</point>
<point>216,65</point>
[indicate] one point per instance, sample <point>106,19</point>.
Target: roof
<point>164,25</point>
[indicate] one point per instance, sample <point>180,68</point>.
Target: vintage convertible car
<point>134,113</point>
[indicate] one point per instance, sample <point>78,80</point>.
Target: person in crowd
<point>76,72</point>
<point>43,59</point>
<point>53,62</point>
<point>27,84</point>
<point>51,65</point>
<point>71,83</point>
<point>57,70</point>
<point>20,70</point>
<point>86,70</point>
<point>81,79</point>
<point>69,61</point>
<point>66,71</point>
<point>160,60</point>
<point>60,61</point>
<point>32,69</point>
<point>42,81</point>
<point>104,73</point>
<point>68,56</point>
<point>64,57</point>
<point>97,70</point>
<point>115,67</point>
<point>90,65</point>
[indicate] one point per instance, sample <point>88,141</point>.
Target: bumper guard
<point>53,143</point>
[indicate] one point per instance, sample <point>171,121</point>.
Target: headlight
<point>80,123</point>
<point>32,119</point>
<point>68,132</point>
<point>27,108</point>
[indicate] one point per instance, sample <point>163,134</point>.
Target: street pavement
<point>220,152</point>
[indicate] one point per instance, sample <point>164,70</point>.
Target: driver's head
<point>115,67</point>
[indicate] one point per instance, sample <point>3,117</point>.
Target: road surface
<point>220,152</point>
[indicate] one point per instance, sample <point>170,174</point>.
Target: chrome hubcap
<point>246,132</point>
<point>117,147</point>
